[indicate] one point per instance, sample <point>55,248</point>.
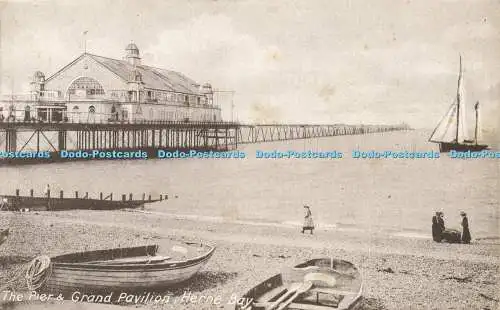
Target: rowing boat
<point>329,284</point>
<point>121,269</point>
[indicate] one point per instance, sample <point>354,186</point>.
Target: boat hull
<point>340,288</point>
<point>447,147</point>
<point>87,278</point>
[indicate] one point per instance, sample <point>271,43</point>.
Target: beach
<point>192,153</point>
<point>375,213</point>
<point>398,272</point>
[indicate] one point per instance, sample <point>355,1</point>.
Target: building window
<point>91,109</point>
<point>90,85</point>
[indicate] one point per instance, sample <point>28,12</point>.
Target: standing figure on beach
<point>437,227</point>
<point>308,220</point>
<point>47,191</point>
<point>465,226</point>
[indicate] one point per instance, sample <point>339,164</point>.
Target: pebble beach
<point>398,272</point>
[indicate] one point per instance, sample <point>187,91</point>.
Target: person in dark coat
<point>437,227</point>
<point>465,226</point>
<point>441,221</point>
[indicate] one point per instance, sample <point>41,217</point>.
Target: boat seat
<point>308,307</point>
<point>293,305</point>
<point>132,260</point>
<point>331,291</point>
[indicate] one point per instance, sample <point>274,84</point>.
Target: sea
<point>396,196</point>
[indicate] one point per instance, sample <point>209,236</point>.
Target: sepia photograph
<point>249,154</point>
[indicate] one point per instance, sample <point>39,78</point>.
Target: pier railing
<point>280,132</point>
<point>150,136</point>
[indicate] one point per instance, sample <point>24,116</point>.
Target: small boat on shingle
<point>121,269</point>
<point>318,284</point>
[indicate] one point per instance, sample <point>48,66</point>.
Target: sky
<point>316,61</point>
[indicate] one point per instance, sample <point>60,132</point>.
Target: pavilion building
<point>100,89</point>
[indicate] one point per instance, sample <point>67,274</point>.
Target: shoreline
<point>338,227</point>
<point>399,272</point>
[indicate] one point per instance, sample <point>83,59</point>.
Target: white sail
<point>453,128</point>
<point>446,130</point>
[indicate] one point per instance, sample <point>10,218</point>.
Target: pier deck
<point>151,136</point>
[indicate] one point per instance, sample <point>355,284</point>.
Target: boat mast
<point>476,107</point>
<point>458,97</point>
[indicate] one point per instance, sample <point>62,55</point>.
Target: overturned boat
<point>318,284</point>
<point>121,269</point>
<point>451,235</point>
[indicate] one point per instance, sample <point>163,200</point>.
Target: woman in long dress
<point>308,220</point>
<point>465,226</point>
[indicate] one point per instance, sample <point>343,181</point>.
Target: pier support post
<point>143,196</point>
<point>10,140</point>
<point>76,194</point>
<point>100,196</point>
<point>130,196</point>
<point>61,139</point>
<point>111,196</point>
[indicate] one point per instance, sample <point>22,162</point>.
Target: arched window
<point>87,86</point>
<point>91,109</point>
<point>75,108</point>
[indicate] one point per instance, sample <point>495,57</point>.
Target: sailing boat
<point>451,132</point>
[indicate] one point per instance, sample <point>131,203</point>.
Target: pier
<point>151,136</point>
<point>280,132</point>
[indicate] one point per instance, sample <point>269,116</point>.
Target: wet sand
<point>399,272</point>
